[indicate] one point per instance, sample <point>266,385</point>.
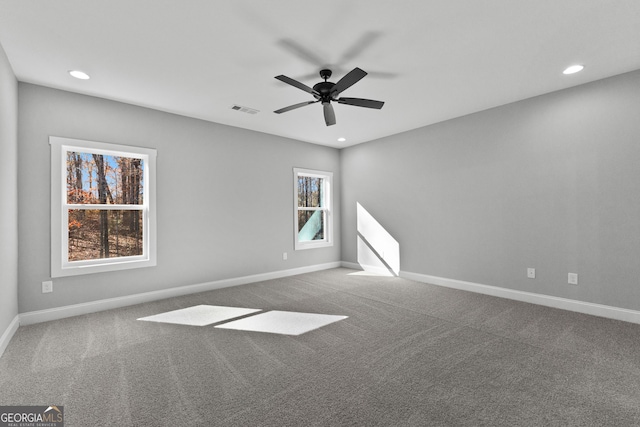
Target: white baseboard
<point>32,317</point>
<point>108,304</point>
<point>351,265</point>
<point>600,310</point>
<point>8,333</point>
<point>382,271</point>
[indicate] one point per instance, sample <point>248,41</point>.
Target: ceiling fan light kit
<point>326,91</point>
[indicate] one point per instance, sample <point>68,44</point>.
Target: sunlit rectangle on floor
<point>282,322</point>
<point>200,315</point>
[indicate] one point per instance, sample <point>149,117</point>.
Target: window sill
<point>312,245</point>
<point>76,270</point>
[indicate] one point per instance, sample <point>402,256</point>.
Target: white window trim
<point>328,208</point>
<point>60,266</point>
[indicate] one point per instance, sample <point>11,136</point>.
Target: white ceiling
<point>429,60</point>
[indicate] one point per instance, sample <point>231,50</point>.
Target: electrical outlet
<point>531,273</point>
<point>47,287</point>
<point>573,278</point>
<point>284,256</point>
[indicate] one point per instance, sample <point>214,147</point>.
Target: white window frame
<point>60,264</point>
<point>327,207</point>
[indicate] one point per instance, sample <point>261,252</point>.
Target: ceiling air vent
<point>244,109</point>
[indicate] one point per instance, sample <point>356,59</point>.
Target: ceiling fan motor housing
<point>324,89</point>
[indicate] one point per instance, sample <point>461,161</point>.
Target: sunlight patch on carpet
<point>200,315</point>
<point>282,322</point>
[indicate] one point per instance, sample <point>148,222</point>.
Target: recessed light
<point>341,139</point>
<point>79,74</point>
<point>573,69</point>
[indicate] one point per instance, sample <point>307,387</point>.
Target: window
<point>102,207</point>
<point>313,215</point>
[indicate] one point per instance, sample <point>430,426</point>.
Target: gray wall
<point>225,202</point>
<point>552,182</point>
<point>8,193</point>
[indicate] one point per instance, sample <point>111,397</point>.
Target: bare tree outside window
<point>96,185</point>
<point>310,222</point>
<point>312,198</point>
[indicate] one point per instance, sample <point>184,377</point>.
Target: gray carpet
<point>409,354</point>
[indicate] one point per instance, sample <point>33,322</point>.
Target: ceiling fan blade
<point>329,114</point>
<point>359,102</point>
<point>293,107</point>
<point>347,81</point>
<point>297,84</point>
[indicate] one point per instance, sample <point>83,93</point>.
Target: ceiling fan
<point>325,92</point>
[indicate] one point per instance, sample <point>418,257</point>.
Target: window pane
<point>310,225</point>
<point>310,192</point>
<point>104,179</point>
<point>96,234</point>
